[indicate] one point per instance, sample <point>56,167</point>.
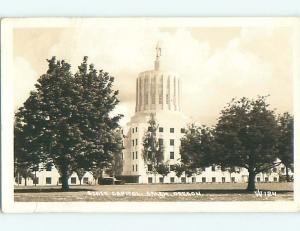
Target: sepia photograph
<point>149,114</point>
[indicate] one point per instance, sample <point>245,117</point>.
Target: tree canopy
<point>286,142</point>
<point>246,136</point>
<point>153,150</point>
<point>67,119</point>
<point>196,148</point>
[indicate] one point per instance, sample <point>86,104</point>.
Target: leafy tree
<point>25,173</point>
<point>246,136</point>
<point>100,129</point>
<point>196,148</point>
<point>27,153</point>
<point>67,119</point>
<point>97,173</point>
<point>286,142</point>
<point>179,169</point>
<point>152,149</point>
<point>163,169</point>
<point>116,165</point>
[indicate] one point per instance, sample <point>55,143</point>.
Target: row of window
<point>213,168</point>
<point>203,180</point>
<point>266,179</point>
<point>160,129</point>
<point>160,142</point>
<point>49,180</point>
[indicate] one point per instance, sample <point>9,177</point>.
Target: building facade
<point>50,176</point>
<point>158,92</point>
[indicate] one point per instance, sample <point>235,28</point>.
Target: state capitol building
<point>158,92</point>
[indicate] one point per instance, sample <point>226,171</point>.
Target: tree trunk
<point>64,180</point>
<point>25,181</point>
<point>251,181</point>
<point>35,178</point>
<point>287,174</point>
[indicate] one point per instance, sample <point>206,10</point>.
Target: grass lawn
<point>156,192</point>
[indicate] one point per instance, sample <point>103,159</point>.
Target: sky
<point>215,64</point>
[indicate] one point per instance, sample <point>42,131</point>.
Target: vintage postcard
<point>150,114</point>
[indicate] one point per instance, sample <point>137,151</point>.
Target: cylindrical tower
<point>158,89</point>
<point>158,92</point>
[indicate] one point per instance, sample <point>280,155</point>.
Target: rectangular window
<point>274,169</point>
<point>135,129</point>
<point>161,129</point>
<point>85,180</point>
<point>132,142</point>
<point>73,180</point>
<point>282,170</point>
<point>161,180</point>
<point>136,141</point>
<point>136,167</point>
<point>132,130</point>
<point>160,142</point>
<point>149,167</point>
<point>150,180</point>
<point>172,179</point>
<point>183,180</point>
<point>172,142</point>
<point>182,130</point>
<point>223,179</point>
<point>193,179</point>
<point>172,167</point>
<point>136,155</point>
<point>36,180</point>
<point>233,179</point>
<point>203,179</point>
<point>266,179</point>
<point>213,179</point>
<point>172,155</point>
<point>171,130</point>
<point>275,179</point>
<point>48,180</point>
<point>213,168</point>
<point>133,155</point>
<point>133,168</point>
<point>258,179</point>
<point>59,180</point>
